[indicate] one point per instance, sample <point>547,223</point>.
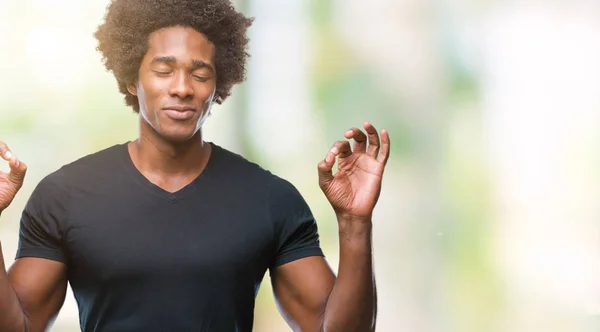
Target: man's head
<point>173,58</point>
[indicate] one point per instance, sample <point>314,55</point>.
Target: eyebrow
<point>196,64</point>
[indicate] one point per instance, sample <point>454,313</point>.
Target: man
<point>172,233</point>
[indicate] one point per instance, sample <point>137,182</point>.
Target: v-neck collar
<point>160,192</point>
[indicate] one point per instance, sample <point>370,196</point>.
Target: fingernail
<point>349,132</point>
<point>18,162</point>
<point>8,155</point>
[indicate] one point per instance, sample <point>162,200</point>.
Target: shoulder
<point>282,190</point>
<point>89,166</point>
<point>240,172</point>
<point>233,165</point>
<point>104,159</point>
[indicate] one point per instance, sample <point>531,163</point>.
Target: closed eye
<point>200,78</point>
<point>162,73</point>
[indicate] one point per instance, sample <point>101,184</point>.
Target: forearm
<point>352,303</point>
<point>12,317</point>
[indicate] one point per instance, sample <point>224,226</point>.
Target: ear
<point>132,88</point>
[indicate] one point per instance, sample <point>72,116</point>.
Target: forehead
<point>183,43</point>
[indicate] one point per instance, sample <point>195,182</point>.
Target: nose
<point>181,86</point>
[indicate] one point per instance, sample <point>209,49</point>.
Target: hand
<point>10,183</point>
<point>354,189</point>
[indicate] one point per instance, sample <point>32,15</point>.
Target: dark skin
<point>177,71</point>
<point>175,88</point>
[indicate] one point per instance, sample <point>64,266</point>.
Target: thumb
<point>325,173</point>
<point>17,171</point>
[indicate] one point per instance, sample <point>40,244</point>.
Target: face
<point>176,84</point>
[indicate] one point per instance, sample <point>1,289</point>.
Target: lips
<point>179,112</point>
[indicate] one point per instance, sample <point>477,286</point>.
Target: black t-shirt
<point>142,259</point>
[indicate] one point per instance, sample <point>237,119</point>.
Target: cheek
<point>207,92</point>
<point>151,95</point>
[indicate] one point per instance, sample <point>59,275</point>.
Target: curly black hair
<point>123,37</point>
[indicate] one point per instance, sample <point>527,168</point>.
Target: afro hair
<point>123,37</point>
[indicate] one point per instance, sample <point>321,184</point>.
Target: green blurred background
<point>488,219</point>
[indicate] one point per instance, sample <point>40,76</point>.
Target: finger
<point>373,149</point>
<point>17,171</point>
<point>385,147</point>
<point>5,151</point>
<point>360,139</point>
<point>339,149</point>
<point>325,173</point>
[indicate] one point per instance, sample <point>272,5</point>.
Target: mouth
<point>179,113</point>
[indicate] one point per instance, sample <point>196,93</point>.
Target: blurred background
<point>489,215</point>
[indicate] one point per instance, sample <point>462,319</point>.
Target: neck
<point>151,153</point>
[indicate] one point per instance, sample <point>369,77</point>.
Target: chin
<point>178,135</point>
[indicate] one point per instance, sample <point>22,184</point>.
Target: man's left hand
<point>354,189</point>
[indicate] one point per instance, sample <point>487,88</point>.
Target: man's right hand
<point>33,290</point>
<point>10,183</point>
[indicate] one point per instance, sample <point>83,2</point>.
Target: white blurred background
<point>489,218</point>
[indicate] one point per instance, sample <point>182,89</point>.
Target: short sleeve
<point>296,230</point>
<point>40,227</point>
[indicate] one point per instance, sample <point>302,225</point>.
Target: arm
<point>352,304</point>
<point>31,294</point>
<point>301,289</point>
<point>309,296</point>
<point>33,291</point>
